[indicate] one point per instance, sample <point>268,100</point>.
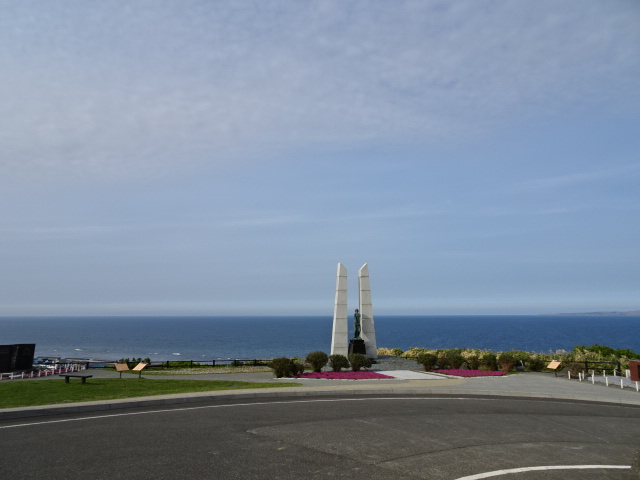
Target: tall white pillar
<point>340,332</point>
<point>366,312</point>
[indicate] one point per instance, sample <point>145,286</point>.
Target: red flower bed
<point>470,373</point>
<point>344,375</point>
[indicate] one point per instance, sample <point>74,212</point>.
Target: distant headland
<point>633,312</point>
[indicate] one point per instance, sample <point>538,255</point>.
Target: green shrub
<point>450,358</point>
<point>473,361</point>
<point>338,362</point>
<point>454,358</point>
<point>317,360</point>
<point>359,361</point>
<point>414,352</point>
<point>297,367</point>
<point>427,360</point>
<point>397,352</point>
<point>284,367</point>
<point>575,368</point>
<point>506,360</point>
<point>536,364</point>
<point>488,361</point>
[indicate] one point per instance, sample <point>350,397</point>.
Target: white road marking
<point>97,417</point>
<point>111,415</point>
<point>496,473</point>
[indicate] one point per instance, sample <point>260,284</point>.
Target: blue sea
<point>221,338</point>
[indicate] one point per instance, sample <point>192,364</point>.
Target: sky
<point>221,158</point>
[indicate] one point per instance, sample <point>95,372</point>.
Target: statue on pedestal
<point>356,344</point>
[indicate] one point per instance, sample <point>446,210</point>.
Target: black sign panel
<point>16,357</point>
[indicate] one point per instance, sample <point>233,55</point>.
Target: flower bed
<point>470,373</point>
<point>345,375</point>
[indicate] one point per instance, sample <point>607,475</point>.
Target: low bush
<point>473,361</point>
<point>285,367</point>
<point>427,360</point>
<point>454,358</point>
<point>414,352</point>
<point>317,360</point>
<point>575,368</point>
<point>506,360</point>
<point>359,361</point>
<point>385,351</point>
<point>488,361</point>
<point>450,358</point>
<point>536,364</point>
<point>338,362</point>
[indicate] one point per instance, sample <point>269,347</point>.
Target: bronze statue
<point>356,324</point>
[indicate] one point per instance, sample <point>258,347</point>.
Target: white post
<point>637,388</point>
<point>621,383</point>
<point>569,375</point>
<point>606,381</point>
<point>593,377</point>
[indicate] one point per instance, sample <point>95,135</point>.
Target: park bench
<point>81,376</point>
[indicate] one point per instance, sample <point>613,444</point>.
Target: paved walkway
<point>530,385</point>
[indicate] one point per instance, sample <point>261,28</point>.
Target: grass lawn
<point>223,369</point>
<point>26,393</point>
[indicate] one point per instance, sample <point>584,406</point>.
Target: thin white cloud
<point>562,181</point>
<point>266,220</point>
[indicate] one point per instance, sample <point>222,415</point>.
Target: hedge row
<point>290,367</point>
<point>476,359</point>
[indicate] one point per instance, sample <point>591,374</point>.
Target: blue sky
<point>219,158</point>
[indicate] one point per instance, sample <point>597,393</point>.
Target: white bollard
<point>637,388</point>
<point>606,381</point>
<point>569,375</point>
<point>593,377</point>
<point>621,383</point>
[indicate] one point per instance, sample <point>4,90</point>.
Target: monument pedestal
<point>356,345</point>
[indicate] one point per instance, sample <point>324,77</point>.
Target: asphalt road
<point>427,437</point>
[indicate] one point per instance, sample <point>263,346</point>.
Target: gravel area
<point>389,362</point>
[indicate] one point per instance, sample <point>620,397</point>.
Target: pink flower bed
<point>344,375</point>
<point>469,373</point>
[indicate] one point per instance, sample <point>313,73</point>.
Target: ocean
<point>221,338</point>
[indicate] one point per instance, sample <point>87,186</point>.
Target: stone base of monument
<point>356,345</point>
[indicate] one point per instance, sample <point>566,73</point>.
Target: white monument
<point>366,311</point>
<point>340,333</point>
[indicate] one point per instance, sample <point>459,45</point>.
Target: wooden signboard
<point>554,364</point>
<point>634,367</point>
<point>121,367</point>
<point>139,367</point>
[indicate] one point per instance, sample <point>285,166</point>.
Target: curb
<point>139,402</point>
